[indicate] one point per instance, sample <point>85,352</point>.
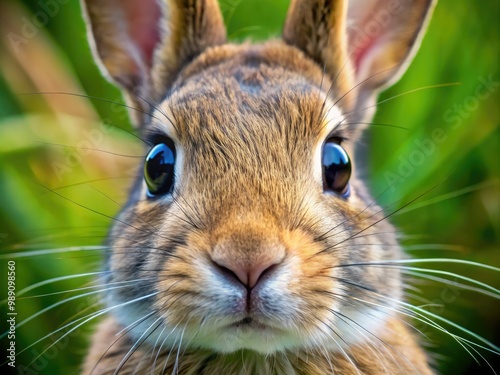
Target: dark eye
<point>159,169</point>
<point>336,168</point>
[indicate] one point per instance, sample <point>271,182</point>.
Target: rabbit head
<point>248,216</point>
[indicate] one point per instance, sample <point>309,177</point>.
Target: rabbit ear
<point>318,28</point>
<point>142,45</point>
<point>364,44</point>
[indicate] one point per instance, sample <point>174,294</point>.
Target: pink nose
<point>248,274</point>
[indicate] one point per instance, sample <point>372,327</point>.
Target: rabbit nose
<point>248,255</point>
<point>247,274</point>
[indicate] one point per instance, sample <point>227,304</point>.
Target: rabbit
<point>243,240</point>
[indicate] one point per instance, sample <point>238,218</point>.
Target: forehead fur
<point>270,90</point>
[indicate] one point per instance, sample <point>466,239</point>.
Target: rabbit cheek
<point>369,290</point>
<point>138,249</point>
<point>335,300</point>
<point>314,272</point>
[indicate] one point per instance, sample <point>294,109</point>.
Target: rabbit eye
<point>336,168</point>
<point>159,169</point>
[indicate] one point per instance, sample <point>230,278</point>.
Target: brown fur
<point>247,121</point>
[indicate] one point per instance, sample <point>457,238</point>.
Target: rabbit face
<point>245,227</point>
<point>247,249</point>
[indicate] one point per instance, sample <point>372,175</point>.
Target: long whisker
<point>63,250</point>
<point>145,335</point>
<point>386,345</point>
<point>347,356</point>
<point>94,180</point>
<point>59,303</point>
<point>454,194</point>
<point>351,218</point>
<point>176,363</point>
<point>496,295</point>
<point>54,280</point>
<point>133,213</point>
<point>90,149</point>
<point>376,124</point>
<point>426,315</point>
<point>89,287</point>
<point>127,329</point>
<point>161,346</point>
<point>423,260</point>
<point>423,319</point>
<point>99,99</point>
<point>423,88</point>
<point>101,213</point>
<point>93,316</point>
<point>385,217</point>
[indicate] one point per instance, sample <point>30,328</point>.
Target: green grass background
<point>458,218</point>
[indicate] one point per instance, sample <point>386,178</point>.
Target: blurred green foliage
<point>449,150</point>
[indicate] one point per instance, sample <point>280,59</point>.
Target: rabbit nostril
<point>228,272</point>
<point>248,275</point>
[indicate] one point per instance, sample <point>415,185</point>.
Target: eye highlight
<point>159,169</point>
<point>336,166</point>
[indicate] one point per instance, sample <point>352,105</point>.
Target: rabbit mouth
<point>249,323</point>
